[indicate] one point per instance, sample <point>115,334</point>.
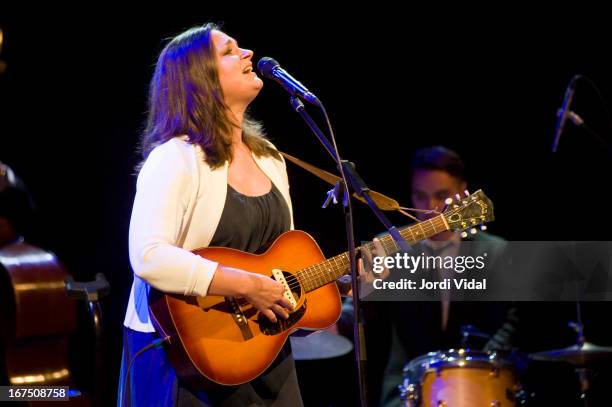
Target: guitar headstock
<point>469,211</point>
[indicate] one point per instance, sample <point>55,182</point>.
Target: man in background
<point>416,328</point>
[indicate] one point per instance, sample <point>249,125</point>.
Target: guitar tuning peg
<point>473,231</point>
<point>458,197</point>
<point>483,227</point>
<point>463,235</point>
<point>466,192</point>
<point>448,201</point>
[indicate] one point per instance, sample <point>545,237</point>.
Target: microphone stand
<point>579,122</point>
<point>358,186</point>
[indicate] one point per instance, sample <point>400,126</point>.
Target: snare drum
<point>459,378</point>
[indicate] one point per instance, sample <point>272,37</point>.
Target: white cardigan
<point>178,205</point>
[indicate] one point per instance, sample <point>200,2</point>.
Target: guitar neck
<point>331,269</point>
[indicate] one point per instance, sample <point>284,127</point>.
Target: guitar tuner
<point>483,227</point>
<point>448,201</point>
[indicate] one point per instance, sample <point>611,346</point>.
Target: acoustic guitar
<point>227,341</point>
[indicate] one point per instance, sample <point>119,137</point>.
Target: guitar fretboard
<point>331,269</point>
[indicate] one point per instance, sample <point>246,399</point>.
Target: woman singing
<point>209,178</point>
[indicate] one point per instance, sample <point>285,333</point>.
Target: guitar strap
<point>382,201</point>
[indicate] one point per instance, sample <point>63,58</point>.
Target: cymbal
<point>587,354</point>
<point>319,345</point>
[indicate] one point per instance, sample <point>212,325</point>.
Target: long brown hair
<point>185,98</point>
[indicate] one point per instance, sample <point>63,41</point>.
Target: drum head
<point>417,367</point>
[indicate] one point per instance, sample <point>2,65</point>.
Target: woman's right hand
<point>266,295</point>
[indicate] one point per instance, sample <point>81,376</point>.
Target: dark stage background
<point>73,100</point>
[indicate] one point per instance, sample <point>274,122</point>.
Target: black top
<point>251,223</point>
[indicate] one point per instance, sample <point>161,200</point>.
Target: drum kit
<point>464,377</point>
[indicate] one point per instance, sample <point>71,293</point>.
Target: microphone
<point>564,112</point>
<point>271,69</point>
<point>572,117</point>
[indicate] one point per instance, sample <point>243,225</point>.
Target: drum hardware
<point>494,372</point>
<point>319,345</point>
<point>581,355</point>
<point>468,331</point>
<point>518,394</point>
<point>409,394</point>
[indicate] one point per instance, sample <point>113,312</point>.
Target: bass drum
<point>459,378</point>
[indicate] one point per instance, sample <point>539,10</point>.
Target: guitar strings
<point>311,273</point>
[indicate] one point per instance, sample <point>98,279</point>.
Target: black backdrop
<point>73,98</point>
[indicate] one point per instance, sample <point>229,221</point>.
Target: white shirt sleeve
<point>162,193</point>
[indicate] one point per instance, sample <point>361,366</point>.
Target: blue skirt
<point>153,382</point>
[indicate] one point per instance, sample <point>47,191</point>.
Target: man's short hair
<point>438,158</point>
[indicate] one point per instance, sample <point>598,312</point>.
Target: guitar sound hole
<point>268,327</point>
